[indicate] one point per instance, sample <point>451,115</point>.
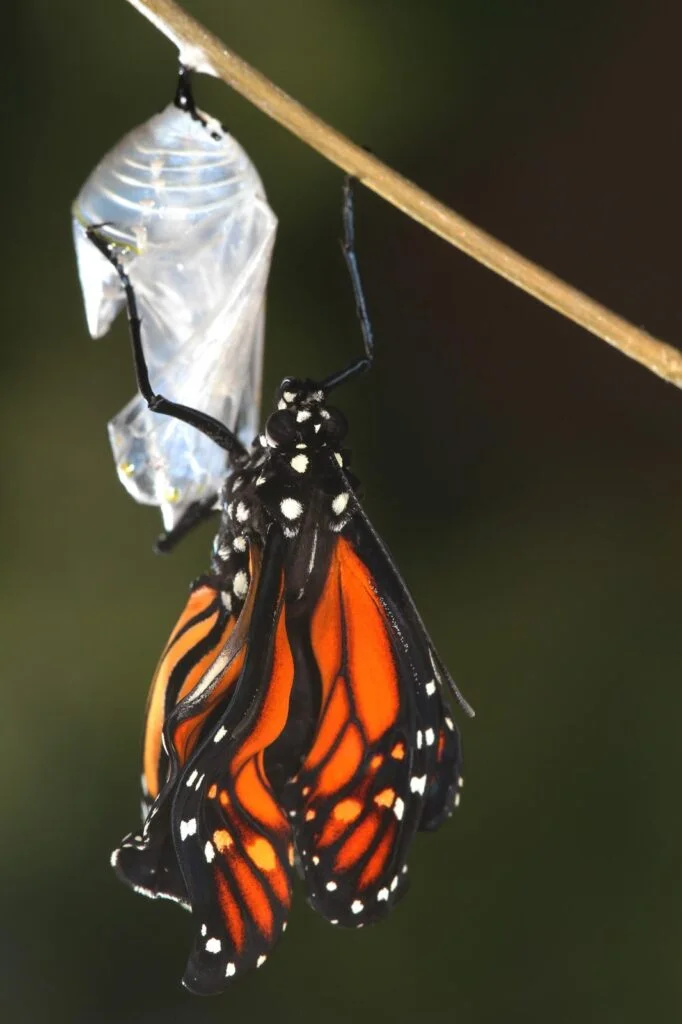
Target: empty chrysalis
<point>183,201</point>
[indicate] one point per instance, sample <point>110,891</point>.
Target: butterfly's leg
<point>209,426</point>
<point>348,248</point>
<point>196,513</point>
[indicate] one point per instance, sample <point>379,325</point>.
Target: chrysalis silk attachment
<point>182,195</point>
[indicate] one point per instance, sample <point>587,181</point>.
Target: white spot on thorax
<point>240,584</point>
<point>299,463</point>
<point>302,415</point>
<point>420,739</point>
<point>242,512</point>
<point>239,543</point>
<point>188,828</point>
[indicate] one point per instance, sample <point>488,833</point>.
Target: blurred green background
<point>526,476</point>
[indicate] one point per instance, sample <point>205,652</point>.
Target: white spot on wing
<point>394,884</point>
<point>430,737</point>
<point>430,688</point>
<point>357,906</point>
<point>209,852</point>
<point>340,502</point>
<point>290,508</point>
<point>261,960</point>
<point>222,731</point>
<point>331,886</point>
<point>418,784</point>
<point>399,808</point>
<point>302,415</point>
<point>382,894</point>
<point>204,929</point>
<point>230,971</point>
<point>339,458</point>
<point>192,779</point>
<point>213,945</point>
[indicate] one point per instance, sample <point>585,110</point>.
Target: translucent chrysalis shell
<point>187,203</point>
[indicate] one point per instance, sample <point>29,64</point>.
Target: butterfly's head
<point>303,418</point>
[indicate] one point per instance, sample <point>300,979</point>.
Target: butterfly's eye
<point>280,428</point>
<point>335,424</point>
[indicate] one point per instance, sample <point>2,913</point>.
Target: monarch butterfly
<point>298,719</point>
<point>183,197</point>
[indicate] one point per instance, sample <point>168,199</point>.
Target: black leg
<point>184,100</point>
<point>209,426</point>
<point>197,512</point>
<point>364,363</point>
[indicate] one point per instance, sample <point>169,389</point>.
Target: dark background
<point>526,476</point>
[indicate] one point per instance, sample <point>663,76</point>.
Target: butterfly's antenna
<point>364,363</point>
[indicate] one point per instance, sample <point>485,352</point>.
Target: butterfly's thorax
<point>294,480</point>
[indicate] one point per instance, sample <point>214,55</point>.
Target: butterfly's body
<point>297,721</point>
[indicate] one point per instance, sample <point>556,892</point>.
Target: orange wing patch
<point>204,620</point>
<point>354,787</point>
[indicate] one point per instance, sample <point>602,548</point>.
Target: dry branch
<point>201,50</point>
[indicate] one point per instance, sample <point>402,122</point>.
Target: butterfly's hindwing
<point>232,839</point>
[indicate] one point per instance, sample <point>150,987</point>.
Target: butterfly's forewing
<point>437,730</point>
<point>363,784</point>
<point>233,841</point>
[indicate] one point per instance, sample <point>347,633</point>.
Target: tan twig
<point>204,52</point>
